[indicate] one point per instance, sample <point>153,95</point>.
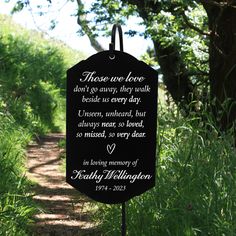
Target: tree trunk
<point>222,24</point>
<point>175,75</point>
<point>82,21</point>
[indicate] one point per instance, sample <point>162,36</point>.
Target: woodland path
<point>64,211</point>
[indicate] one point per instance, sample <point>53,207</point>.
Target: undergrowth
<point>16,206</point>
<point>32,102</point>
<point>195,188</point>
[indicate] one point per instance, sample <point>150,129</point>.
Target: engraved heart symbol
<point>111,148</point>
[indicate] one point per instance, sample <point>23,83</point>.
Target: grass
<point>62,145</point>
<point>195,189</point>
<point>32,102</point>
<point>16,206</point>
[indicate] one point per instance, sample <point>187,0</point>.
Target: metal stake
<point>123,224</point>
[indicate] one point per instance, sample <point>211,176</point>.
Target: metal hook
<point>113,39</point>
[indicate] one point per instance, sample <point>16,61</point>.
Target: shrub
<point>16,207</point>
<point>32,89</point>
<point>32,76</point>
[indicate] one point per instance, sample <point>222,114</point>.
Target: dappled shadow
<point>63,213</point>
<point>62,191</point>
<point>55,200</point>
<point>31,170</point>
<point>63,210</point>
<point>50,138</point>
<point>61,230</point>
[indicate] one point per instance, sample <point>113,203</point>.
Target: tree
<point>177,76</point>
<point>205,73</point>
<point>222,59</point>
<point>194,42</point>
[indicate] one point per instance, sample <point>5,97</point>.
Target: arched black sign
<point>111,127</point>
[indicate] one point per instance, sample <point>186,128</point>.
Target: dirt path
<point>64,209</point>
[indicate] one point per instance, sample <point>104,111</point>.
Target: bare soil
<point>64,211</point>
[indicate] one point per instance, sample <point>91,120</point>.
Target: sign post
<point>111,126</point>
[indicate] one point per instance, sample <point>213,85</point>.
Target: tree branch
<point>202,72</point>
<point>83,22</point>
<point>175,74</point>
<point>214,3</point>
<point>192,26</point>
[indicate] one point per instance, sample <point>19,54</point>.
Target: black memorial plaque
<point>111,127</point>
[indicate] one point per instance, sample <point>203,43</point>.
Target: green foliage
<point>149,58</point>
<point>32,101</point>
<point>16,206</point>
<point>195,185</point>
<point>32,68</point>
<point>62,146</point>
<point>180,25</point>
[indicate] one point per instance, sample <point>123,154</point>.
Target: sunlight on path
<point>63,208</point>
